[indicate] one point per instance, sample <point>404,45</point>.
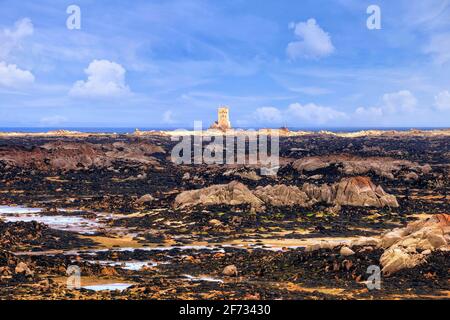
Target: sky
<point>302,64</point>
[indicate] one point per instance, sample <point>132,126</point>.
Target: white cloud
<point>369,114</point>
<point>315,114</point>
<point>13,77</point>
<point>401,101</point>
<point>396,104</point>
<point>105,79</point>
<point>439,48</point>
<point>296,114</point>
<point>313,41</point>
<point>442,101</point>
<point>11,38</point>
<point>268,115</point>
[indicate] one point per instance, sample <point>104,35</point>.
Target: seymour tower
<point>223,121</point>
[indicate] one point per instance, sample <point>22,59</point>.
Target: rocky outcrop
<point>355,191</point>
<point>61,155</point>
<point>320,193</point>
<point>361,192</point>
<point>351,165</point>
<point>403,247</point>
<point>409,246</point>
<point>243,173</point>
<point>282,195</point>
<point>20,235</point>
<point>234,193</point>
<point>146,198</point>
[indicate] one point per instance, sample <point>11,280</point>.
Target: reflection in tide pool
<point>207,279</point>
<point>108,286</point>
<point>67,223</point>
<point>18,210</point>
<point>129,265</point>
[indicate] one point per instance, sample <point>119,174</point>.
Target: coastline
<point>264,131</point>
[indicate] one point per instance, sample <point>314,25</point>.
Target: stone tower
<point>223,118</point>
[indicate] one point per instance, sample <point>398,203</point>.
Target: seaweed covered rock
<point>354,191</point>
<point>234,193</point>
<point>408,247</point>
<point>352,165</point>
<point>360,191</point>
<point>62,155</point>
<point>282,195</point>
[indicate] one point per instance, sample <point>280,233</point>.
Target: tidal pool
<point>59,222</point>
<point>128,265</point>
<point>108,286</point>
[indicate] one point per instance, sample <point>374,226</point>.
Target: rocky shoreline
<point>140,227</point>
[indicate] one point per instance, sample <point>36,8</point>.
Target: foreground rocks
<point>407,247</point>
<point>351,165</point>
<point>310,232</point>
<point>360,191</point>
<point>65,156</point>
<point>25,235</point>
<point>404,248</point>
<point>355,191</point>
<point>234,193</point>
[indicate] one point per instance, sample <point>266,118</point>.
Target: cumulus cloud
<point>401,101</point>
<point>10,74</point>
<point>442,101</point>
<point>369,113</point>
<point>313,41</point>
<point>315,114</point>
<point>398,103</point>
<point>13,77</point>
<point>268,115</point>
<point>11,38</point>
<point>105,79</point>
<point>298,114</point>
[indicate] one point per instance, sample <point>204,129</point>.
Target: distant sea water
<point>124,130</point>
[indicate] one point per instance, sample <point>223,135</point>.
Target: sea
<point>124,130</point>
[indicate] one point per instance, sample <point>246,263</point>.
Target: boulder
<point>310,164</point>
<point>403,244</point>
<point>354,191</point>
<point>346,251</point>
<point>22,268</point>
<point>282,195</point>
<point>108,271</point>
<point>396,259</point>
<point>360,191</point>
<point>234,193</point>
<point>214,223</point>
<point>230,271</point>
<point>323,193</point>
<point>144,199</point>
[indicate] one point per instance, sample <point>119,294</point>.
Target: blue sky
<point>167,63</point>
